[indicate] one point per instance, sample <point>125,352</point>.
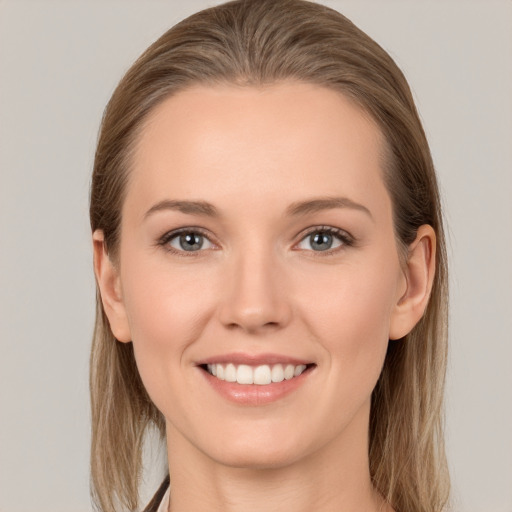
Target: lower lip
<point>254,394</point>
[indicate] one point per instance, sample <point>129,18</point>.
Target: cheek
<point>166,314</point>
<point>350,311</point>
<point>163,301</point>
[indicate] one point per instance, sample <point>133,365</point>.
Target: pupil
<point>322,241</point>
<point>191,241</point>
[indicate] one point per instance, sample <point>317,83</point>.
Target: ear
<point>419,273</point>
<point>107,277</point>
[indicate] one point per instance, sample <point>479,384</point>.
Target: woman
<point>271,271</point>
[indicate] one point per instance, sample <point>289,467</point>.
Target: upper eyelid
<point>331,229</point>
<point>188,229</point>
<point>342,234</point>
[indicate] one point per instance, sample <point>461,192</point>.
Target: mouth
<point>255,379</point>
<point>259,375</point>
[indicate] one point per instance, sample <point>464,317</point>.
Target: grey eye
<point>321,240</point>
<point>190,241</point>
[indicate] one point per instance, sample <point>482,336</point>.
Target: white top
<point>164,504</point>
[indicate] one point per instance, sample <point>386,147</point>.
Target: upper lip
<point>253,359</point>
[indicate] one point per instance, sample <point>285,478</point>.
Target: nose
<point>255,296</point>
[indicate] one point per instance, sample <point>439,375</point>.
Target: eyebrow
<point>324,203</point>
<point>190,207</point>
<point>299,208</point>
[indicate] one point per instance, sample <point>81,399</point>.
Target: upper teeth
<point>263,374</point>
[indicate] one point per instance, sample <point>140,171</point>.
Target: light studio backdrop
<point>59,63</point>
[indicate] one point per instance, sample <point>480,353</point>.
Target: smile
<point>255,379</point>
<point>261,375</point>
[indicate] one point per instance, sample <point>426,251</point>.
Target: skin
<point>258,285</point>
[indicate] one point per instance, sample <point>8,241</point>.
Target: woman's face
<point>257,238</point>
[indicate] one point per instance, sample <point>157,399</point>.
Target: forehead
<point>257,144</point>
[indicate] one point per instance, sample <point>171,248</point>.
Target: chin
<point>259,451</point>
<point>254,459</point>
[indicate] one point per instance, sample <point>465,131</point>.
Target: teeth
<point>299,369</point>
<point>260,375</point>
<point>244,374</point>
<point>289,371</point>
<point>277,373</point>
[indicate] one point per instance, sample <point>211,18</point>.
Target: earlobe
<point>107,277</point>
<point>419,277</point>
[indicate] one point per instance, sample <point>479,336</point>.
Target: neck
<point>334,477</point>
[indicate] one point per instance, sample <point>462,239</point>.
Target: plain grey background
<point>59,63</point>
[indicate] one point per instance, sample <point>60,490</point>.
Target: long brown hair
<point>257,42</point>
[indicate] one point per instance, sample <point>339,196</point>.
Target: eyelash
<point>345,238</point>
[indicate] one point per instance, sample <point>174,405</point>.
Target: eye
<point>325,238</point>
<point>185,240</point>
